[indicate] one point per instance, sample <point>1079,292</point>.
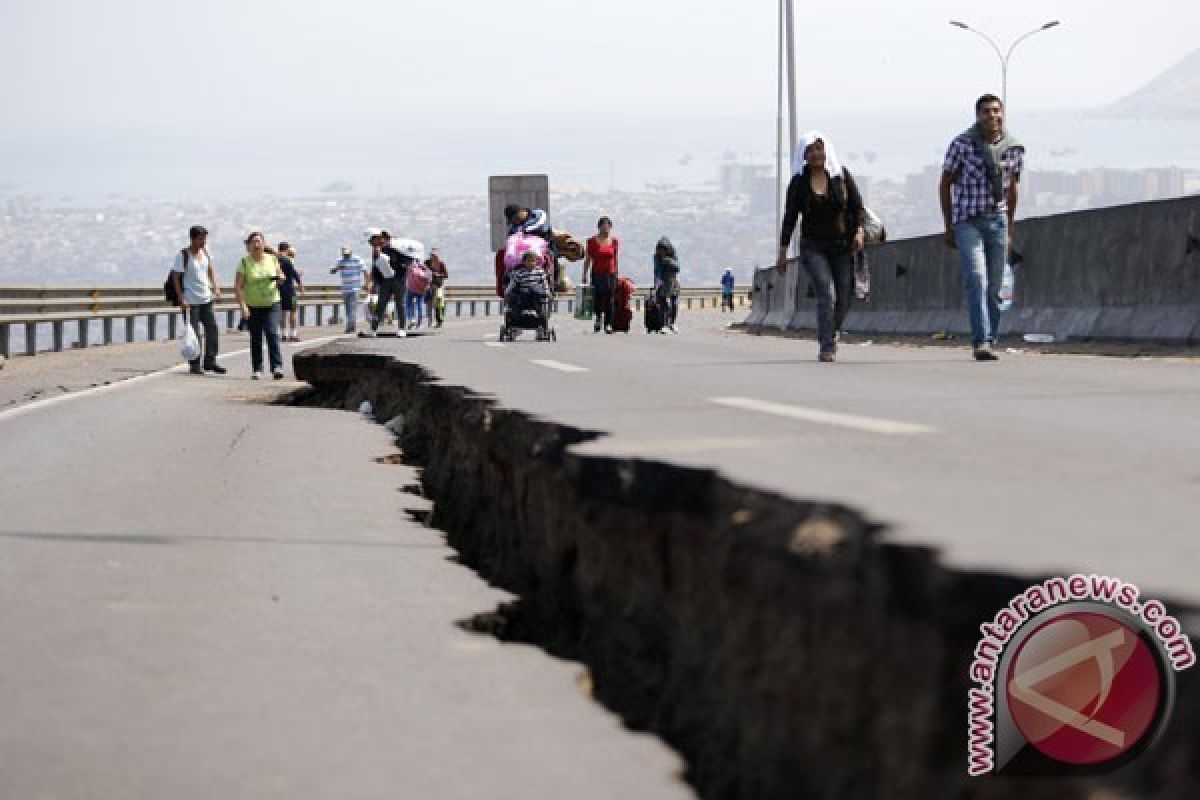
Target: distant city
<point>732,224</point>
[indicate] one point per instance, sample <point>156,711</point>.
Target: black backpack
<point>172,296</point>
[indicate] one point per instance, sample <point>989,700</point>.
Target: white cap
<point>370,233</point>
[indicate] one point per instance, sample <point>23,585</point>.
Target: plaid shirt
<point>972,191</point>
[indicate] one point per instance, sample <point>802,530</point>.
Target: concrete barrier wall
<point>1128,272</point>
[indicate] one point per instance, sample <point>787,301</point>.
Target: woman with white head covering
<point>824,196</point>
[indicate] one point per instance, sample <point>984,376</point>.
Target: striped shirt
<point>351,269</point>
<point>972,190</point>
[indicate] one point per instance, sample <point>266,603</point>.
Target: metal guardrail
<point>54,308</point>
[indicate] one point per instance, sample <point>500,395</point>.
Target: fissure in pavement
<point>784,647</point>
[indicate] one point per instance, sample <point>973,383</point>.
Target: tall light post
<point>1004,57</point>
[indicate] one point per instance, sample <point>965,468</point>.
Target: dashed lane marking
<point>558,365</point>
<point>837,419</point>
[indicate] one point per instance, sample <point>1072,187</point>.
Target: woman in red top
<point>601,263</point>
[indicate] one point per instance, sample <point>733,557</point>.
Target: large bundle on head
<point>568,246</point>
<point>519,244</point>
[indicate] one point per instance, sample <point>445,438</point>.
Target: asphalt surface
<point>203,595</point>
<point>1032,465</point>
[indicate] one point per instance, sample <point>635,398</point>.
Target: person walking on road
<point>727,281</point>
<point>978,194</point>
<point>385,281</point>
<point>258,279</point>
<point>666,281</point>
<point>288,290</point>
<point>601,262</point>
<point>351,268</point>
<point>436,299</point>
<point>824,195</point>
<point>197,288</point>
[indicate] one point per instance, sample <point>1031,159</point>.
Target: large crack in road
<point>786,648</point>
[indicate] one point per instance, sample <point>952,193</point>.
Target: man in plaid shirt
<point>978,193</point>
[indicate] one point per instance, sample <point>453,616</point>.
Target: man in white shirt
<point>197,287</point>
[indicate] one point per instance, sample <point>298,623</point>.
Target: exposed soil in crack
<point>785,648</point>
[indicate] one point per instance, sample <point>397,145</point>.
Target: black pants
<point>204,323</point>
<point>265,322</point>
<point>726,301</point>
<point>390,289</point>
<point>603,297</point>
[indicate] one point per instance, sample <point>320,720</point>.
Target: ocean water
<point>66,169</point>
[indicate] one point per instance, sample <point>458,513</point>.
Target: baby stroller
<point>527,299</point>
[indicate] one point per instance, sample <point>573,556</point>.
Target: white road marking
<point>837,419</point>
<point>493,344</point>
<point>38,405</point>
<point>558,365</point>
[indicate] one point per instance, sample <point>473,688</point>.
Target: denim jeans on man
<point>265,322</point>
<point>350,301</point>
<point>983,248</point>
<point>831,269</point>
<point>204,323</point>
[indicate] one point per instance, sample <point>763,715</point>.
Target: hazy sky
<point>305,73</point>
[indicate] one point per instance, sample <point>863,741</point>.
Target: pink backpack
<point>419,278</point>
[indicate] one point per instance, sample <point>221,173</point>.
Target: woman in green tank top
<point>258,279</point>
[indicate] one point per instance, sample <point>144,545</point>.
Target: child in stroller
<point>527,299</point>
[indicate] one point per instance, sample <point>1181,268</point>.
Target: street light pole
<point>1004,57</point>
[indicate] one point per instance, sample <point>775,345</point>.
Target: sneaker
<point>256,375</point>
<point>826,357</point>
<point>348,330</point>
<point>367,334</point>
<point>401,333</point>
<point>673,329</point>
<point>277,373</point>
<point>608,329</point>
<point>984,352</point>
<point>217,368</point>
<point>195,369</point>
<point>596,327</point>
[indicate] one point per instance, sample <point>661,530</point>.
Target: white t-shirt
<point>196,287</point>
<point>384,265</point>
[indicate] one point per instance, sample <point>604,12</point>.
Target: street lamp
<point>1004,57</point>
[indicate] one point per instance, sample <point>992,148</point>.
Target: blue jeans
<point>414,306</point>
<point>832,272</point>
<point>350,301</point>
<point>983,248</point>
<point>264,323</point>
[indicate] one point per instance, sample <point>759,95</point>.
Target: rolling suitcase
<point>653,315</point>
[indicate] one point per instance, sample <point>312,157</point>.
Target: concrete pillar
<point>458,308</point>
<point>152,327</point>
<point>173,325</point>
<point>689,304</point>
<point>58,335</point>
<point>487,308</point>
<point>108,330</point>
<point>301,315</point>
<point>320,312</point>
<point>472,308</point>
<point>85,328</point>
<point>337,314</point>
<point>130,330</point>
<point>5,341</point>
<point>31,338</point>
<point>229,320</point>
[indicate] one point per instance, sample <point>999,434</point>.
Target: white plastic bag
<point>1007,285</point>
<point>190,350</point>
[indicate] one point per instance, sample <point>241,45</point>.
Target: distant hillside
<point>1175,94</point>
